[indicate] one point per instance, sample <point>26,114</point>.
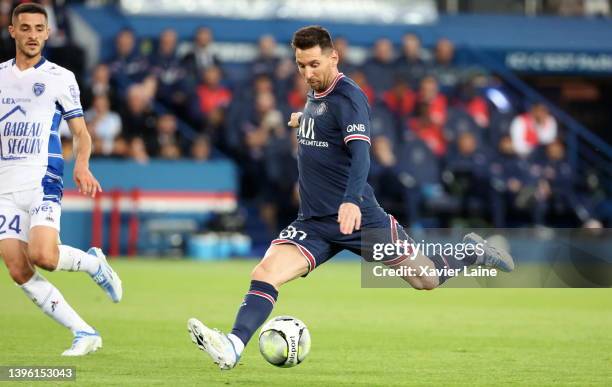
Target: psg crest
<point>38,89</point>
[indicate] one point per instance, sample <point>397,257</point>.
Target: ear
<point>11,30</point>
<point>334,56</point>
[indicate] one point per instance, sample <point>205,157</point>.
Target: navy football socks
<point>255,309</point>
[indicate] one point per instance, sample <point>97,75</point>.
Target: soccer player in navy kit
<point>336,202</point>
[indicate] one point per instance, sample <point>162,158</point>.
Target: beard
<point>30,52</point>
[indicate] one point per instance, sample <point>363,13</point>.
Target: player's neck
<point>23,62</point>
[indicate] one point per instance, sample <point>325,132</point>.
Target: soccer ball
<point>284,341</point>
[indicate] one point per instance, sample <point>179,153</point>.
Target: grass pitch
<point>370,337</point>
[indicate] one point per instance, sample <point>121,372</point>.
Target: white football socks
<point>48,298</point>
<point>238,344</point>
<point>72,259</point>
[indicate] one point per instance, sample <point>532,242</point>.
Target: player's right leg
<point>47,297</point>
<point>281,264</point>
<point>44,251</point>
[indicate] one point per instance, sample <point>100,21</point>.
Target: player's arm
<point>84,179</point>
<point>354,119</point>
<point>349,213</point>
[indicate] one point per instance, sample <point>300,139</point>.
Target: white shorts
<point>22,210</point>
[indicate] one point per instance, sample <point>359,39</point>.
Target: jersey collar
<point>330,88</point>
<point>37,65</point>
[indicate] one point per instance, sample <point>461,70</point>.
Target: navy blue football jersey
<point>330,120</point>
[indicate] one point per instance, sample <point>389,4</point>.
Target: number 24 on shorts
<point>7,224</point>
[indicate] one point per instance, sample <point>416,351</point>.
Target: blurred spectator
<point>406,177</point>
<point>215,129</point>
<point>436,102</point>
<point>99,84</point>
<point>137,114</point>
<point>60,48</point>
<point>127,66</point>
<point>381,66</point>
<point>201,149</point>
<point>211,93</point>
<point>201,55</point>
<point>341,45</point>
<point>411,65</point>
<point>514,183</point>
<point>169,71</point>
<point>427,130</point>
<point>138,151</point>
<point>170,151</point>
<point>280,202</point>
<point>265,122</point>
<point>400,100</point>
<point>360,79</point>
<point>444,67</point>
<point>283,78</point>
<point>166,142</point>
<point>472,103</point>
<point>467,174</point>
<point>7,44</point>
<point>121,148</point>
<point>297,96</point>
<point>103,123</point>
<point>531,129</point>
<point>267,60</point>
<point>557,190</point>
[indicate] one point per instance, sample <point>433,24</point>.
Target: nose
<point>308,73</point>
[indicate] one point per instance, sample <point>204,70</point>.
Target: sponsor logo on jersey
<point>43,208</point>
<point>13,101</point>
<point>321,109</point>
<point>306,134</point>
<point>355,128</point>
<point>38,88</point>
<point>19,138</point>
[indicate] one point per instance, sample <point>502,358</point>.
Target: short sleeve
<point>69,98</point>
<point>354,118</point>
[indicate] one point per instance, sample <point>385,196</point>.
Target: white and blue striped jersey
<point>32,104</point>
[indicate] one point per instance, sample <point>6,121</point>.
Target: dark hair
<point>28,8</point>
<point>312,36</point>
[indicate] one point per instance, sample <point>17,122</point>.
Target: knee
<point>42,257</point>
<point>263,272</point>
<point>21,273</point>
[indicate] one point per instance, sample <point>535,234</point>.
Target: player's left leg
<point>44,251</point>
<point>424,278</point>
<point>421,276</point>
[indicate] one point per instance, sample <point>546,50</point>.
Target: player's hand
<point>294,121</point>
<point>86,182</point>
<point>349,217</point>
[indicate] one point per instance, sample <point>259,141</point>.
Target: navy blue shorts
<point>319,238</point>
